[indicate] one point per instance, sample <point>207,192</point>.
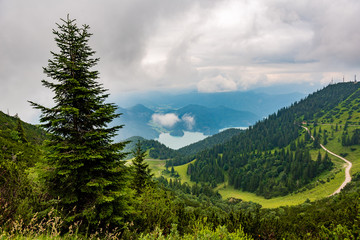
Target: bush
<point>201,232</point>
<point>15,192</point>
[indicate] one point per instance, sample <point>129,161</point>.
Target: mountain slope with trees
<point>19,151</point>
<point>156,150</point>
<point>272,157</point>
<point>209,142</point>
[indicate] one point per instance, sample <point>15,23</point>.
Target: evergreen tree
<point>355,139</point>
<point>316,142</point>
<point>142,175</point>
<point>85,171</point>
<point>20,130</point>
<point>319,157</point>
<point>325,136</point>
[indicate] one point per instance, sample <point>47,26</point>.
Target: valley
<point>326,184</point>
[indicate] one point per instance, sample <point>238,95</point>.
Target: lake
<point>179,142</point>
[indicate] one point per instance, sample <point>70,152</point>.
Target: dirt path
<point>347,169</point>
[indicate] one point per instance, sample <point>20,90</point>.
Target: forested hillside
<point>19,151</point>
<point>156,149</point>
<point>271,158</point>
<point>19,140</point>
<point>209,142</point>
<point>8,123</point>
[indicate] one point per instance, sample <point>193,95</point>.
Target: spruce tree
<point>20,130</point>
<point>85,171</point>
<point>142,175</point>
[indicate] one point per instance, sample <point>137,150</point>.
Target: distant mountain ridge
<point>210,111</point>
<point>210,120</point>
<point>136,120</point>
<point>142,121</point>
<point>259,103</point>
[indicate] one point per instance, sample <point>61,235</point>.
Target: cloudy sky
<point>208,46</point>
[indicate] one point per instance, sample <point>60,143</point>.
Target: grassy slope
<point>157,166</point>
<point>182,170</point>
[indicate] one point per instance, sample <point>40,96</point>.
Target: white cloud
<point>189,121</point>
<point>216,84</point>
<point>166,120</point>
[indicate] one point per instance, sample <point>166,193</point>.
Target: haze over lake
<point>179,142</point>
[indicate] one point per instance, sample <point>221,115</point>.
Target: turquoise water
<point>188,138</point>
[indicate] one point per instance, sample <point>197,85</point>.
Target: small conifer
<point>142,175</point>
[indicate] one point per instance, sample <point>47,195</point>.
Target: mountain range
<point>142,121</point>
<point>197,112</point>
<point>258,102</point>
